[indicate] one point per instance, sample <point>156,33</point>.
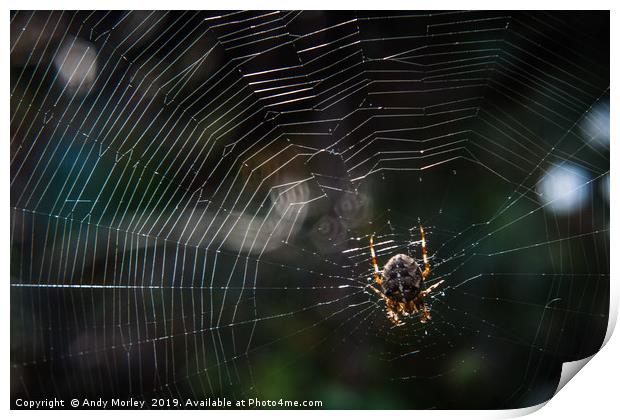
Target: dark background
<point>190,215</point>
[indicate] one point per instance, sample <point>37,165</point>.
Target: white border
<point>592,395</point>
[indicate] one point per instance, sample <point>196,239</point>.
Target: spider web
<point>192,195</point>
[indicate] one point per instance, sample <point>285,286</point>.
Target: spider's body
<point>401,279</point>
<point>402,284</point>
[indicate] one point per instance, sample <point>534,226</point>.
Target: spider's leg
<point>393,316</point>
<point>377,291</point>
<point>377,273</point>
<point>427,266</point>
<point>392,313</point>
<point>426,315</point>
<point>430,288</point>
<point>390,308</point>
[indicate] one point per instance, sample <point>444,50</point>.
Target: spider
<point>401,284</point>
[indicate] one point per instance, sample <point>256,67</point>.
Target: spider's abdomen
<point>402,278</point>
